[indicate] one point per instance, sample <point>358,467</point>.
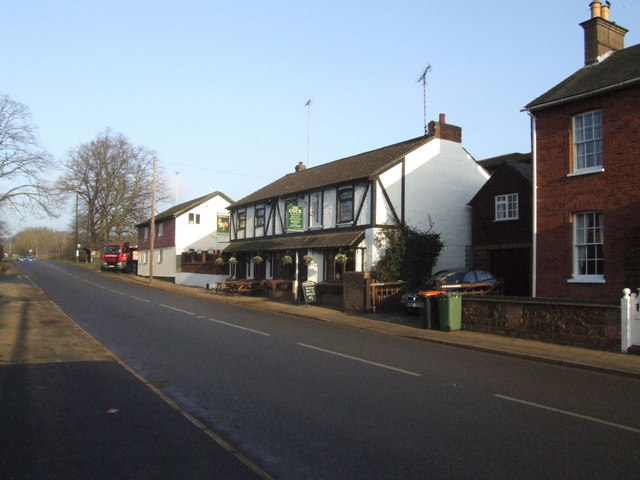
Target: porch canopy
<point>297,242</point>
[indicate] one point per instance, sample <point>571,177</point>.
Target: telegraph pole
<point>152,228</point>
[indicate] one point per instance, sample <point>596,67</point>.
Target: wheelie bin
<point>450,311</point>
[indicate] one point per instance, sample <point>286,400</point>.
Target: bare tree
<point>111,178</point>
<point>43,242</point>
<point>24,165</point>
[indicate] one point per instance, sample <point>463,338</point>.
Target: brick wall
<point>355,292</point>
<point>614,192</point>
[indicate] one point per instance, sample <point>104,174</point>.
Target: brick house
<point>501,222</point>
<point>339,208</point>
<point>586,134</point>
<point>184,235</point>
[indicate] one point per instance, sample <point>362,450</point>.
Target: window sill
<point>587,279</point>
<point>586,171</point>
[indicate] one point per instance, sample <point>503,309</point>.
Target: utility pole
<point>152,227</point>
<point>77,244</point>
<point>308,105</point>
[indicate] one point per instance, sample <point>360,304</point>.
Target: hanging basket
<point>233,260</point>
<point>307,259</point>
<point>219,261</point>
<point>287,260</point>
<point>258,259</point>
<point>341,258</point>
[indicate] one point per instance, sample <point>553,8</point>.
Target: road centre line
<point>176,309</point>
<point>381,365</point>
<point>570,414</point>
<point>238,326</point>
<point>140,299</point>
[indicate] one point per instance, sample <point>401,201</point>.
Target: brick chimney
<point>444,131</point>
<point>600,34</point>
<point>300,167</point>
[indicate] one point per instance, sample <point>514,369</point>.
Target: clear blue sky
<point>218,89</point>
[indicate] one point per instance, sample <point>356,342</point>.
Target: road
<point>305,399</point>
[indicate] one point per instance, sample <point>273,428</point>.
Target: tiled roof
<point>493,163</point>
<point>182,208</point>
<point>524,169</point>
<point>617,70</point>
<point>363,165</point>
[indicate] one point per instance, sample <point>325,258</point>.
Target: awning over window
<point>295,242</point>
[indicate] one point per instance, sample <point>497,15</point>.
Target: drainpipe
<point>534,202</point>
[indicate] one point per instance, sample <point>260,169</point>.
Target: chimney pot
<point>441,118</point>
<point>596,7</point>
<point>604,11</point>
<point>300,167</point>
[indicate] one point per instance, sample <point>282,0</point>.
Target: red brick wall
<point>168,238</point>
<point>615,192</point>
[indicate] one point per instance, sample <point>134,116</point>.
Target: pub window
<point>194,218</point>
<point>259,218</point>
<point>345,204</point>
<point>242,219</point>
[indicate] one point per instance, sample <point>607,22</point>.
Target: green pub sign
<point>295,218</point>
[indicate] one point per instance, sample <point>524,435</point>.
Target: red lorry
<point>120,257</point>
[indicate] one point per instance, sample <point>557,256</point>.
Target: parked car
<point>473,282</point>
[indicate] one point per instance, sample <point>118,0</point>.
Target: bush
<point>410,254</point>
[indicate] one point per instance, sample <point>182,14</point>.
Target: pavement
<point>70,409</point>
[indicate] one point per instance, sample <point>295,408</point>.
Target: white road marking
<point>176,309</point>
<point>238,326</point>
<point>571,414</point>
<point>141,299</point>
<point>381,365</point>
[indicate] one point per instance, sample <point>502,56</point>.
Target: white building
<point>186,231</point>
<point>313,214</point>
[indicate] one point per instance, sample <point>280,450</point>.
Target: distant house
<point>502,222</point>
<point>586,152</point>
<point>310,216</point>
<point>188,237</point>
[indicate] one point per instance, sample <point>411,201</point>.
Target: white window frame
<point>587,142</point>
<point>160,229</point>
<point>160,255</point>
<point>506,207</point>
<point>588,247</point>
<point>194,219</point>
<point>146,233</point>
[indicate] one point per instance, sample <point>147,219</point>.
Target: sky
<point>218,90</point>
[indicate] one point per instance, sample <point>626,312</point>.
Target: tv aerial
<point>423,79</point>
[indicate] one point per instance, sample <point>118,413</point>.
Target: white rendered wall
<point>441,179</point>
<point>201,236</point>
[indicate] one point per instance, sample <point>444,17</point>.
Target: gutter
<point>534,201</point>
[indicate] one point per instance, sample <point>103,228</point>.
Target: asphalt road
<point>306,399</point>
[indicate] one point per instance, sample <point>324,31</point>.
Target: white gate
<point>630,320</point>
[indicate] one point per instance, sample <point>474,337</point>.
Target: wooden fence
<point>385,297</point>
